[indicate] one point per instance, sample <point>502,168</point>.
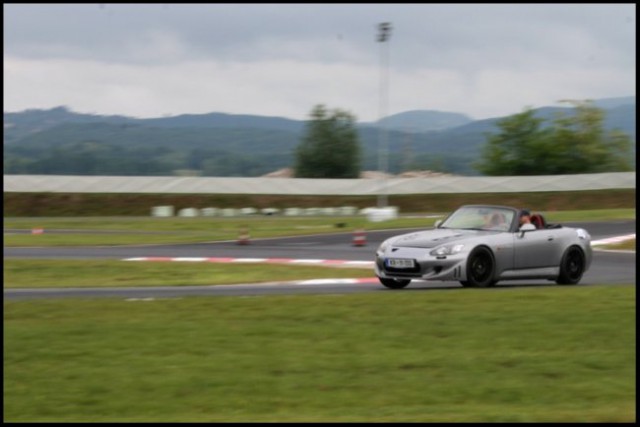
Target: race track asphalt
<point>607,267</point>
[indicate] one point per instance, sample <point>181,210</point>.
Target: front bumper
<point>427,267</point>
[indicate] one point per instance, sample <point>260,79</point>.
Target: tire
<point>571,266</point>
<point>465,283</point>
<point>481,268</point>
<point>394,283</point>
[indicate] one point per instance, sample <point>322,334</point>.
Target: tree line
<point>573,143</point>
<point>330,146</point>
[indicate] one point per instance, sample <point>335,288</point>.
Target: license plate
<point>400,263</point>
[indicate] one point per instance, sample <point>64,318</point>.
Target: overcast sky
<point>146,60</point>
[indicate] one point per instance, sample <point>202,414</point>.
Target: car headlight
<point>383,246</point>
<point>582,234</point>
<point>447,250</point>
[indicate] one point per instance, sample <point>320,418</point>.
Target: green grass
<point>125,230</point>
<point>22,273</point>
<point>588,215</point>
<point>628,245</point>
<point>186,230</point>
<point>549,354</point>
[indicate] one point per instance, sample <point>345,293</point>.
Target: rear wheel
<point>571,267</point>
<point>394,283</point>
<point>480,269</point>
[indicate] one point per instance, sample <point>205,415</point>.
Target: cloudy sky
<point>153,60</point>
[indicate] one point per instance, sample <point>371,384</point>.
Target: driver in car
<point>497,222</point>
<point>525,221</point>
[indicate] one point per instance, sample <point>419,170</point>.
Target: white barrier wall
<point>304,186</point>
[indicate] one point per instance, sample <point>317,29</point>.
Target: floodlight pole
<point>384,32</point>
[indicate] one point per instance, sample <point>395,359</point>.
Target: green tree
<point>330,148</point>
<point>581,145</point>
<point>574,143</point>
<point>517,149</point>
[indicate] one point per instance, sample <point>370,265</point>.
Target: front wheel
<point>571,267</point>
<point>480,269</point>
<point>394,283</point>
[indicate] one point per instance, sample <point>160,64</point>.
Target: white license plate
<point>400,263</point>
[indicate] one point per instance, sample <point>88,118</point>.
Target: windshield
<point>480,218</point>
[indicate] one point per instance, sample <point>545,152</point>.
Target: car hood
<point>436,237</point>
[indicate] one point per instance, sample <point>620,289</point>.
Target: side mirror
<point>526,228</point>
<point>437,223</point>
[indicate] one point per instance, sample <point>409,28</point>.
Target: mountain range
<point>59,141</point>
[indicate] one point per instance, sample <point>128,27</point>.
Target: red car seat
<point>538,221</point>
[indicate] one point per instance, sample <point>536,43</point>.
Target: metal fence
<point>303,186</point>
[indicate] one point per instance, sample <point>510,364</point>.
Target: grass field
<point>127,230</point>
<point>541,354</point>
<point>628,245</point>
<point>549,354</point>
<point>23,273</point>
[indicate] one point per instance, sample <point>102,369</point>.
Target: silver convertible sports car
<point>479,245</point>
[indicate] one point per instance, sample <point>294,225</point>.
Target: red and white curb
<point>251,260</point>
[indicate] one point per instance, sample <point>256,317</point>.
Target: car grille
<point>402,271</point>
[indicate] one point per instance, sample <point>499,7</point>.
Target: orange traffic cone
<point>359,238</point>
<point>243,237</point>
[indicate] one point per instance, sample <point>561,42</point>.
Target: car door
<point>535,249</point>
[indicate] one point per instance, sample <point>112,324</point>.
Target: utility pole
<point>384,32</point>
